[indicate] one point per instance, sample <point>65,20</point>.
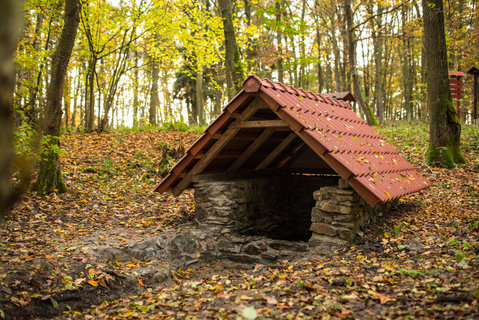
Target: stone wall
<point>339,214</point>
<point>277,207</point>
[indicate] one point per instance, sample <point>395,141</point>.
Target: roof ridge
<point>253,84</point>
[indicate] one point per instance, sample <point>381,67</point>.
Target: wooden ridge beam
<point>285,143</point>
<point>250,150</point>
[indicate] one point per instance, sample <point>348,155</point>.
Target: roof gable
<point>270,126</point>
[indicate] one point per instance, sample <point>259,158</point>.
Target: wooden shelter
<point>269,128</point>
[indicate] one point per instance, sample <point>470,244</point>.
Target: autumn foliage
<point>420,261</point>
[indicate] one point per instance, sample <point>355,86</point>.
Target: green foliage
<point>182,127</point>
<point>24,142</point>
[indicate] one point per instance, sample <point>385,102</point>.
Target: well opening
<point>276,207</point>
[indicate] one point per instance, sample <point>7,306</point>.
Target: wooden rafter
<point>250,150</point>
<point>297,151</point>
<point>276,151</point>
<point>217,147</point>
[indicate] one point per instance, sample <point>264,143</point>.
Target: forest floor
<point>420,261</point>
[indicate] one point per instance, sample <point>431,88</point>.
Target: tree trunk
<point>278,41</point>
<point>50,176</point>
<point>67,100</point>
<point>336,55</point>
<point>135,89</point>
<point>90,94</point>
<point>234,69</point>
<point>76,96</point>
<point>166,97</point>
<point>31,109</point>
<point>10,21</point>
<point>352,66</point>
<point>378,75</point>
<point>444,128</point>
<point>318,64</point>
<point>406,68</point>
<point>154,91</point>
<point>199,97</point>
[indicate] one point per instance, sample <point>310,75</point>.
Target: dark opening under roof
<point>270,127</point>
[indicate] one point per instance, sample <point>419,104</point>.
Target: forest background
<point>137,63</point>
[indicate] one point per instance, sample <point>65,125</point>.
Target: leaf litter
<point>419,261</point>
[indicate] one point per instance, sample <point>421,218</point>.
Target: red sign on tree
<point>457,92</point>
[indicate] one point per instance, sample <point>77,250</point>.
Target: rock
<point>322,228</point>
<point>328,206</point>
<point>343,183</point>
<point>161,276</point>
<point>345,233</point>
<point>255,248</point>
<point>320,240</point>
<point>270,255</point>
<point>344,217</point>
<point>317,195</point>
<point>318,215</point>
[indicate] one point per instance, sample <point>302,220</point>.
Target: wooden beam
<point>214,149</point>
<point>298,150</point>
<point>276,151</point>
<point>250,150</point>
<point>261,173</point>
<point>262,124</point>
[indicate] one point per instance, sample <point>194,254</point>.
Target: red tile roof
<point>458,74</point>
<point>342,139</point>
<point>343,95</point>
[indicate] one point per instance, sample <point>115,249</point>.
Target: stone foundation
<point>339,214</point>
<point>276,207</point>
<point>238,212</point>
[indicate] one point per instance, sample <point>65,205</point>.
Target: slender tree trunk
<point>302,50</point>
<point>444,129</point>
<point>199,97</point>
<point>379,68</point>
<point>352,66</point>
<point>234,68</point>
<point>153,92</point>
<point>31,109</point>
<point>318,65</point>
<point>10,21</point>
<point>67,100</point>
<point>135,89</point>
<point>50,176</point>
<point>90,94</point>
<point>336,55</point>
<point>406,67</point>
<point>278,40</point>
<point>77,95</point>
<point>166,96</point>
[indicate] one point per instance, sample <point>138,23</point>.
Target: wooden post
<point>474,71</point>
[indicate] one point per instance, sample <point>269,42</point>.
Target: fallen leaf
<point>93,283</point>
<point>382,298</point>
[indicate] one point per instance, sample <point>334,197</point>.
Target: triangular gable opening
<point>263,143</point>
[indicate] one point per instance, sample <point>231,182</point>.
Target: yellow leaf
<point>93,283</point>
<point>382,298</point>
